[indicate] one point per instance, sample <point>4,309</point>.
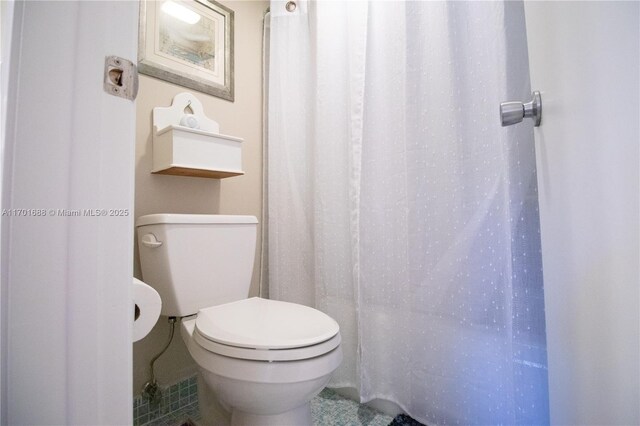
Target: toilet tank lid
<point>154,219</point>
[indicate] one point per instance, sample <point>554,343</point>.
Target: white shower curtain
<point>399,206</point>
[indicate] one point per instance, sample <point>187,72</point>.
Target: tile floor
<point>331,409</point>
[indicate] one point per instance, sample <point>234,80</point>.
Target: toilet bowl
<point>263,360</point>
<point>264,373</point>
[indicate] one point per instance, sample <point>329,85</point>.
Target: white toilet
<point>263,359</point>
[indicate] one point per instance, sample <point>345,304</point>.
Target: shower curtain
<point>399,206</point>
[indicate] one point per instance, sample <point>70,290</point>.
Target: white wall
<point>584,58</point>
<point>176,194</point>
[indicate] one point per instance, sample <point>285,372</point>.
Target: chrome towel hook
<point>514,112</point>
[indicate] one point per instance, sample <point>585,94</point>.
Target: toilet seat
<point>265,330</point>
<point>266,354</point>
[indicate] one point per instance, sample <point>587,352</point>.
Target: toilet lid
<point>265,324</point>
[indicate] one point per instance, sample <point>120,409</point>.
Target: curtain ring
<point>290,6</point>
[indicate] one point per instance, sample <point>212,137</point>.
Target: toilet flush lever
<point>514,112</point>
<point>151,241</point>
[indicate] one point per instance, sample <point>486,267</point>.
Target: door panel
<point>67,305</point>
<point>584,60</point>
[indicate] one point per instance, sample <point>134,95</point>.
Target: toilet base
<point>214,412</point>
<point>300,416</point>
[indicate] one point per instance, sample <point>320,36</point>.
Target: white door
<point>66,279</point>
<point>584,59</point>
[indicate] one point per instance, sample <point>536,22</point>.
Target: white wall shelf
<point>188,143</point>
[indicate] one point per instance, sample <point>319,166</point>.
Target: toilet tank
<point>196,261</point>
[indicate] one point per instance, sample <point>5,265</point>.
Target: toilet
<point>263,360</point>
